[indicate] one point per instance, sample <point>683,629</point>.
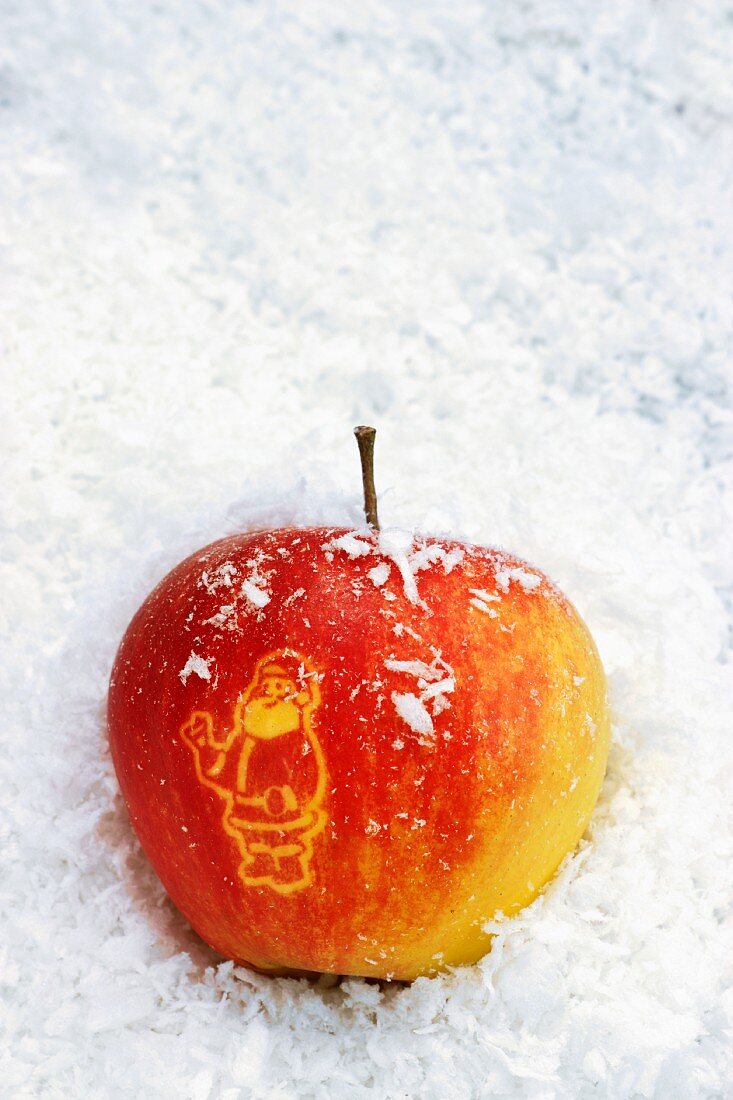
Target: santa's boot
<point>291,863</point>
<point>260,869</point>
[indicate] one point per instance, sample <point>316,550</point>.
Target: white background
<point>501,232</point>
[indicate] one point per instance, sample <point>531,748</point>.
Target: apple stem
<point>365,439</point>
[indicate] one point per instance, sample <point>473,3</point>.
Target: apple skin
<point>422,798</point>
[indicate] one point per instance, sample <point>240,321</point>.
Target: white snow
<point>434,681</point>
<point>529,581</point>
<point>413,668</point>
<point>396,543</point>
<point>352,545</point>
<point>435,691</point>
<point>482,601</point>
<point>379,575</point>
<point>481,606</point>
<point>412,711</point>
<point>485,597</point>
<point>223,576</point>
<point>199,666</point>
<point>502,233</point>
<point>434,552</point>
<point>257,596</point>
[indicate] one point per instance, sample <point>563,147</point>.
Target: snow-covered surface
<point>503,234</point>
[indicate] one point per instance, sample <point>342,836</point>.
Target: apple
<point>346,751</point>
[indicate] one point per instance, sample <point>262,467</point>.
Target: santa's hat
<point>288,665</point>
<point>271,669</point>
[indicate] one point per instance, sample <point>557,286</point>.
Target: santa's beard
<point>271,717</point>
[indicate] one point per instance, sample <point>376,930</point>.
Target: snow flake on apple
<point>296,595</point>
<point>482,600</point>
<point>248,595</point>
<point>351,543</point>
<point>222,576</point>
<point>528,580</point>
<point>417,709</point>
<point>379,575</point>
<point>397,547</point>
<point>433,553</point>
<point>197,666</point>
<point>413,711</point>
<point>258,597</point>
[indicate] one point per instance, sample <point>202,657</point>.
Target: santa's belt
<point>282,825</point>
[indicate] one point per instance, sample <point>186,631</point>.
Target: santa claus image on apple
<point>269,770</point>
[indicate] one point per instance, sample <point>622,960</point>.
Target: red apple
<point>346,752</point>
